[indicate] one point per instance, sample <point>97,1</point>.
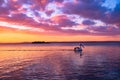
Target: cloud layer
<point>71,17</point>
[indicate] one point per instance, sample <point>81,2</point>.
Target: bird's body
<point>79,48</point>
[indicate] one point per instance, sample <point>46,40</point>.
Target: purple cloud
<point>104,30</point>
<point>93,9</point>
<point>88,22</point>
<point>54,14</point>
<point>63,20</point>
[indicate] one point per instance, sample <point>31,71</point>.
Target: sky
<point>59,20</point>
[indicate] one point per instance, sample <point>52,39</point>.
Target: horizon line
<point>52,42</point>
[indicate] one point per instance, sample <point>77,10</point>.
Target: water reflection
<point>79,52</point>
<point>94,63</point>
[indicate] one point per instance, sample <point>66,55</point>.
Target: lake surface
<point>56,61</point>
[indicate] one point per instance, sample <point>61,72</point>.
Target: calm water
<point>59,62</point>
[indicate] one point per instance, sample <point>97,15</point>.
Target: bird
<point>79,48</point>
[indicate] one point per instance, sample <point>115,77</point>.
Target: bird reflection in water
<point>79,52</point>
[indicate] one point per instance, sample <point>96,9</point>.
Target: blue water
<point>58,61</point>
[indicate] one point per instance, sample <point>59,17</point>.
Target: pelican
<point>79,48</point>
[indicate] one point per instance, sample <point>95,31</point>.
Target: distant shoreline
<point>43,42</point>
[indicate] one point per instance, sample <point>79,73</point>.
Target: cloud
<point>88,10</point>
<point>49,12</point>
<point>64,16</point>
<point>104,30</point>
<point>88,22</point>
<point>92,9</point>
<point>62,20</point>
<point>21,27</point>
<point>44,3</point>
<point>113,17</point>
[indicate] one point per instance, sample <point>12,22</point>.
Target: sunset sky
<point>59,20</point>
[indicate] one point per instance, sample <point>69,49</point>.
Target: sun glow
<point>21,27</point>
<point>13,37</point>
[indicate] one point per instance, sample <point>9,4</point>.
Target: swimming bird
<point>79,48</point>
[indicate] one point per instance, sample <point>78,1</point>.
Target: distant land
<point>39,42</point>
<point>44,42</point>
